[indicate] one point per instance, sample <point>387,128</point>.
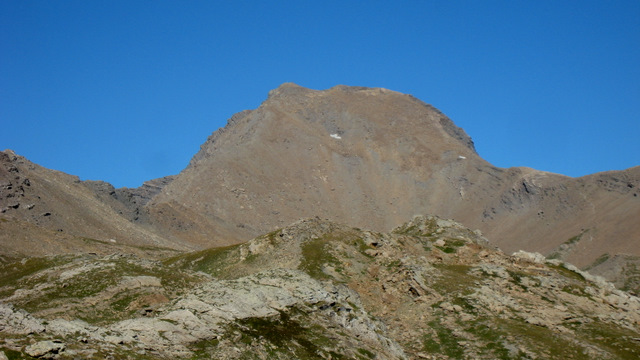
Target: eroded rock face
<point>17,321</point>
<point>431,289</point>
<point>206,312</point>
<point>45,349</point>
<point>215,308</point>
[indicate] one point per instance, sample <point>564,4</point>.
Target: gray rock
<point>203,313</point>
<point>17,321</point>
<point>530,256</point>
<point>45,349</point>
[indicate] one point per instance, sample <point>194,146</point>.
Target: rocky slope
<point>356,155</point>
<point>45,212</point>
<point>431,289</point>
<point>368,157</point>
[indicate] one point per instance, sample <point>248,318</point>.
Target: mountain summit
<point>374,158</point>
<point>357,155</point>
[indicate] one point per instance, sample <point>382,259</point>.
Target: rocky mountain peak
<point>288,89</point>
<point>361,111</point>
<point>350,138</point>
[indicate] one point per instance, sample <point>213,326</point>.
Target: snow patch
<point>336,136</point>
<point>462,157</point>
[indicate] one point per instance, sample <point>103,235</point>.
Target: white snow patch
<point>336,136</point>
<point>462,157</point>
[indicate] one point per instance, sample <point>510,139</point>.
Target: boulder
<point>45,349</point>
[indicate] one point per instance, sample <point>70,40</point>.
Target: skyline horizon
<point>127,92</point>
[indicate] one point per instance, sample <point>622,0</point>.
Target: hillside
<point>374,158</point>
<point>44,212</point>
<point>431,289</point>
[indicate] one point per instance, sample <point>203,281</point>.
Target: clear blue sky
<point>126,91</point>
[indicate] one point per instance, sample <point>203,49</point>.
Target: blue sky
<point>127,91</point>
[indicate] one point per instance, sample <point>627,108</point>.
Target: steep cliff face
<point>374,158</point>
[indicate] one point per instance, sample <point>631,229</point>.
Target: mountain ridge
<point>369,157</point>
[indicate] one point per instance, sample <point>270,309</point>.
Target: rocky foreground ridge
<point>430,289</point>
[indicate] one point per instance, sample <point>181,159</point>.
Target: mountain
<point>374,158</point>
<point>357,155</point>
<point>430,289</point>
<point>215,262</point>
<point>44,212</point>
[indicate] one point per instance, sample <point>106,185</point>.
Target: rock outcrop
<point>430,289</point>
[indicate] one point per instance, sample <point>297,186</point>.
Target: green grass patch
<point>272,237</point>
<point>554,256</point>
<point>84,285</point>
<point>543,341</point>
<point>519,276</point>
<point>211,261</point>
<point>362,247</point>
<point>576,289</point>
<point>574,239</point>
<point>366,353</point>
<point>110,244</point>
<point>454,278</point>
<point>123,301</point>
<point>464,303</point>
<point>393,264</point>
<point>288,336</point>
<point>447,249</point>
<point>631,278</point>
<point>570,274</point>
<point>451,245</point>
<point>456,242</point>
<point>426,229</point>
<point>315,255</point>
<point>491,338</point>
<point>15,355</point>
<point>616,340</point>
<point>98,276</point>
<point>559,254</point>
<point>201,348</point>
<point>408,230</point>
<point>600,260</point>
<point>11,273</point>
<point>445,342</point>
